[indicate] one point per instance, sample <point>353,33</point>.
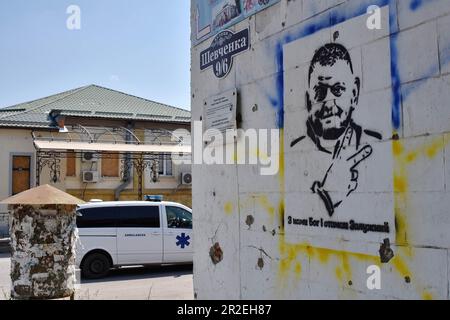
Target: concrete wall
<point>300,234</point>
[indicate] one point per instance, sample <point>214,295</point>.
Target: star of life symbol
<point>183,241</point>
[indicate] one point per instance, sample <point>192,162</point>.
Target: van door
<point>139,235</point>
<point>178,246</point>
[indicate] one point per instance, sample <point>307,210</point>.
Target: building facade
<point>99,117</point>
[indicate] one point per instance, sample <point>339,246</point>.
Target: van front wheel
<point>95,266</point>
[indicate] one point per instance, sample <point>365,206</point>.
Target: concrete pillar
<point>43,233</point>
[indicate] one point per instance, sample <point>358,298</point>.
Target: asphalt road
<point>153,283</point>
<point>4,276</point>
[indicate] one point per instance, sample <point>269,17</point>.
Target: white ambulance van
<point>117,234</point>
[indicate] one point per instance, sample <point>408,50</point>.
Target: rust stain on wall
<point>216,253</point>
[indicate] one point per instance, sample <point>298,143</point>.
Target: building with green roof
<point>102,117</point>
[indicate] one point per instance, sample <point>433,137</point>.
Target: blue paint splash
<point>279,102</point>
<point>340,16</point>
<point>395,72</point>
<point>431,72</point>
<point>415,4</point>
<point>396,84</point>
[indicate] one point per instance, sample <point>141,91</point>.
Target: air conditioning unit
<point>89,157</point>
<point>90,176</point>
<point>186,178</point>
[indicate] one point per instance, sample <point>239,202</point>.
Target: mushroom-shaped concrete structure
<point>43,243</point>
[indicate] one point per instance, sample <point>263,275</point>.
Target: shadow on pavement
<point>148,272</point>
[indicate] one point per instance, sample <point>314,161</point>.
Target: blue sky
<point>140,47</point>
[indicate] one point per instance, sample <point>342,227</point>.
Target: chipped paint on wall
<point>43,252</point>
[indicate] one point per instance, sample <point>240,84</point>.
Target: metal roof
<point>90,102</point>
<point>43,195</point>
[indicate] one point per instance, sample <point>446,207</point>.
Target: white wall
<point>12,142</point>
<point>20,142</point>
<point>169,181</point>
<point>405,84</point>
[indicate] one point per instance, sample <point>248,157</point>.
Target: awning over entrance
<point>109,147</point>
<point>115,140</point>
<point>135,154</point>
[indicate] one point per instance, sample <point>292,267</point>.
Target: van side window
<point>138,217</point>
<point>178,218</point>
<point>97,218</point>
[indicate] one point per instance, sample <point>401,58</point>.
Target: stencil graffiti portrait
<point>338,178</point>
<point>335,93</point>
